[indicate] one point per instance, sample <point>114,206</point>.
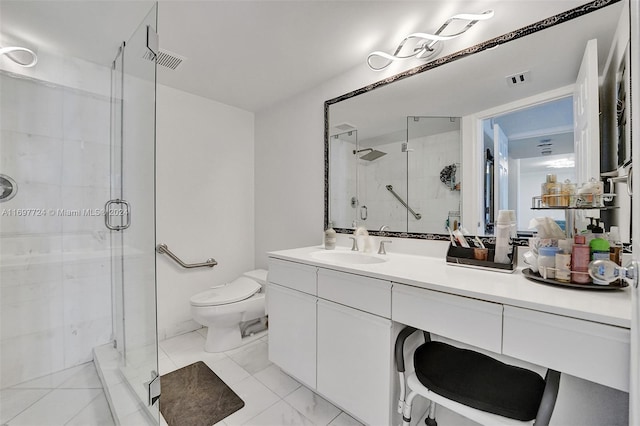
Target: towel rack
<point>162,248</point>
<point>418,216</point>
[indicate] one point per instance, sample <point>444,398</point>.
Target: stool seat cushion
<point>479,381</point>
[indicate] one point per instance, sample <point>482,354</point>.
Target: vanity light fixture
<point>8,51</point>
<point>427,44</point>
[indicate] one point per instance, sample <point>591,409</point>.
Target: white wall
<point>290,206</point>
<point>205,199</point>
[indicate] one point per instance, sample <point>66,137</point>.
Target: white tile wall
<point>420,170</point>
<point>55,270</point>
<point>416,179</point>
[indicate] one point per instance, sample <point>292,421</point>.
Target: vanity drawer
<point>367,294</point>
<point>584,349</point>
<point>293,275</point>
<point>467,320</point>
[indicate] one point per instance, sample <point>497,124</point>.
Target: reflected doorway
<point>521,148</point>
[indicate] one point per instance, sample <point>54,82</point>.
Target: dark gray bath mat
<point>195,396</point>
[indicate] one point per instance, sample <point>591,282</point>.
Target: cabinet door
<point>585,349</point>
<point>292,332</point>
<point>467,320</point>
<point>348,289</point>
<point>354,361</point>
<point>295,276</point>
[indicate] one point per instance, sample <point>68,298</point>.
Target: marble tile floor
<point>271,397</point>
<point>71,397</point>
<point>75,396</point>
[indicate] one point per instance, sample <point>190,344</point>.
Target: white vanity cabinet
<point>355,345</point>
<point>292,319</point>
<point>332,331</point>
<point>292,332</point>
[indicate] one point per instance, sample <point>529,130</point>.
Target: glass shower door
<point>131,210</point>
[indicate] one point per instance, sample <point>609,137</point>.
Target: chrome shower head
<point>371,155</point>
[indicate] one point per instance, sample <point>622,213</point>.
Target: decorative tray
<point>461,256</point>
<point>534,276</point>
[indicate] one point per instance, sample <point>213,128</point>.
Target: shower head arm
<point>362,150</point>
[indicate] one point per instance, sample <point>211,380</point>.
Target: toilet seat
<point>239,289</point>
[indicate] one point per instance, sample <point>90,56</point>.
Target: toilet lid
<point>239,289</point>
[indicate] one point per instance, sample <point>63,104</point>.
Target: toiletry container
<point>568,191</point>
<point>599,248</point>
<point>615,252</point>
<point>551,191</point>
<point>580,258</point>
<point>563,266</point>
<point>504,229</point>
<point>330,238</point>
<point>547,261</point>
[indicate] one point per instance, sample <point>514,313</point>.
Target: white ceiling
<point>251,54</point>
<point>549,124</point>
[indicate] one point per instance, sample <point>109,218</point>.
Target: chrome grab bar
<point>418,216</point>
<point>162,248</point>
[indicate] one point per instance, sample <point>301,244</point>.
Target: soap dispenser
<point>330,238</point>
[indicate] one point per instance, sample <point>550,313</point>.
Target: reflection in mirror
<point>343,200</point>
<point>522,147</point>
<point>433,174</point>
<point>375,174</point>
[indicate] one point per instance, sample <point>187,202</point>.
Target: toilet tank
<point>259,275</point>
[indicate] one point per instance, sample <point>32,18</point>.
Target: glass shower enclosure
<point>130,212</point>
<point>77,227</point>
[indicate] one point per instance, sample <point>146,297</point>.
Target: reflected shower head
<point>371,155</point>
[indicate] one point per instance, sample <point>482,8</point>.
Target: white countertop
<point>608,307</point>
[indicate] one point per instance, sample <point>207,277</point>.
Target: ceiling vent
<point>545,143</point>
<point>166,59</point>
<point>519,79</point>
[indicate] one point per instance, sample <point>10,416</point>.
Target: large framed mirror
<point>408,155</point>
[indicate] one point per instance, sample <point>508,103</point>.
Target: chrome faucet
<point>384,228</point>
<point>381,250</point>
<point>354,246</point>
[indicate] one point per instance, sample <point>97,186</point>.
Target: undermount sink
<point>347,257</point>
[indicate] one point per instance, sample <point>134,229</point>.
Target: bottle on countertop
<point>588,234</point>
<point>580,258</point>
<point>563,266</point>
<point>563,261</point>
<point>505,226</point>
<point>547,261</point>
<point>599,248</point>
<point>330,238</point>
<point>615,252</point>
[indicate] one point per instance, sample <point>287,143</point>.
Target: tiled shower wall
<point>54,256</point>
<point>426,194</point>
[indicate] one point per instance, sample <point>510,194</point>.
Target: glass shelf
<point>575,208</point>
<point>572,202</point>
<point>569,211</point>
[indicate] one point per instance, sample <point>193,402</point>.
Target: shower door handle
<point>124,211</point>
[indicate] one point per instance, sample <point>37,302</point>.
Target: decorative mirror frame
<point>489,44</point>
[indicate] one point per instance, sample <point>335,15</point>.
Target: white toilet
<point>223,308</point>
